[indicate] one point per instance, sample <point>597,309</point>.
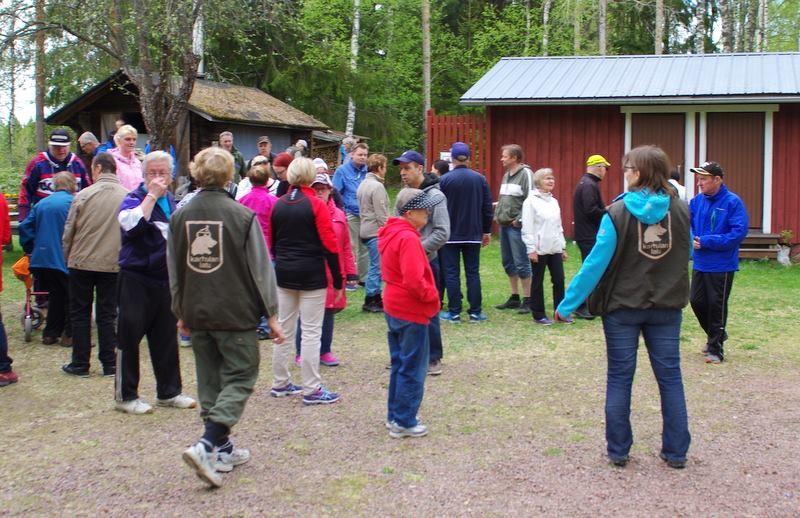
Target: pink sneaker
<point>328,359</point>
<point>298,360</point>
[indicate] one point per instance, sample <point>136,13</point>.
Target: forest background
<point>355,64</point>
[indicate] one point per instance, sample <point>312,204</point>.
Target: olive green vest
<point>650,266</point>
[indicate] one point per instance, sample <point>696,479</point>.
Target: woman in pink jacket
<point>323,187</point>
<point>129,168</point>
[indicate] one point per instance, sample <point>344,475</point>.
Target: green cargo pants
<point>227,369</point>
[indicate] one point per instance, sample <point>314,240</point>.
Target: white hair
<point>156,156</point>
<point>87,137</point>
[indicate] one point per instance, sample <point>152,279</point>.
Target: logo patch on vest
<point>655,241</point>
<point>205,245</point>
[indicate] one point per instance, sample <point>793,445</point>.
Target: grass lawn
<point>516,425</point>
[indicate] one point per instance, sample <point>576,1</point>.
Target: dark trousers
<point>326,339</point>
<point>56,283</point>
<point>452,254</point>
<point>5,359</point>
<point>554,263</point>
<point>585,247</point>
<point>440,281</point>
<point>709,299</point>
<point>82,285</point>
<point>144,310</point>
<point>434,328</point>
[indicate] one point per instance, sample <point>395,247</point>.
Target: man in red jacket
<point>410,301</point>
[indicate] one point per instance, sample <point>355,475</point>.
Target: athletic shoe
<point>70,369</point>
<point>329,360</point>
<point>544,321</point>
<point>227,461</point>
<point>476,318</point>
<point>584,314</point>
<point>563,320</point>
<point>179,401</point>
<point>134,406</point>
<point>398,432</point>
<point>351,288</point>
<point>7,378</point>
<point>512,303</point>
<point>109,371</point>
<point>203,463</point>
<point>435,368</point>
<point>620,462</point>
<point>184,340</point>
<point>288,390</point>
<point>263,334</point>
<point>388,424</point>
<point>525,306</point>
<point>298,360</point>
<point>322,396</point>
<point>713,358</point>
<point>449,316</point>
<point>676,464</point>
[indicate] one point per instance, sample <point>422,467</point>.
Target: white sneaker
<point>398,432</point>
<point>184,341</point>
<point>134,406</point>
<point>203,463</point>
<point>179,401</point>
<point>227,461</point>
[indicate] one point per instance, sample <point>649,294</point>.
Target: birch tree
<point>39,74</point>
<point>659,28</point>
<point>602,12</point>
<point>426,61</point>
<point>727,32</point>
<point>700,28</point>
<point>351,103</point>
<point>546,5</point>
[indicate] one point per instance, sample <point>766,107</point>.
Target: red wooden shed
<point>741,110</point>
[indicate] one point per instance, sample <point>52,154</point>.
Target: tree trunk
<point>526,50</point>
<point>39,79</point>
<point>727,37</point>
<point>426,66</point>
<point>739,17</point>
<point>700,31</point>
<point>12,93</point>
<point>659,28</point>
<point>576,28</point>
<point>546,5</point>
<point>351,104</point>
<point>601,25</point>
<point>751,25</point>
<point>763,8</point>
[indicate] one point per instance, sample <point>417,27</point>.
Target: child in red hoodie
<point>410,300</point>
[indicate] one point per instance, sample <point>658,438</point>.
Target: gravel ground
<point>516,429</point>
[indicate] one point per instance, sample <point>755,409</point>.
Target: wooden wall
<point>786,170</point>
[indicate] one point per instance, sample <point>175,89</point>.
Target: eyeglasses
<point>629,167</point>
<point>153,175</point>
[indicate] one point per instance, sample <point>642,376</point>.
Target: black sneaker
<point>109,370</point>
<point>620,462</point>
<point>68,368</point>
<point>512,303</point>
<point>584,314</point>
<point>525,306</point>
<point>675,464</point>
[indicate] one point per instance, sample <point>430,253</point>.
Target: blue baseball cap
<point>409,156</point>
<point>459,151</point>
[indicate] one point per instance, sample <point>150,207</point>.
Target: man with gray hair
<point>88,143</point>
<point>226,143</point>
<point>144,302</point>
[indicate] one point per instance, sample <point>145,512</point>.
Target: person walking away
<point>143,294</point>
<point>469,207</point>
<point>515,187</point>
<point>719,225</point>
<point>637,276</point>
<point>304,242</point>
<point>434,235</point>
<point>543,235</point>
<point>40,236</point>
<point>373,208</point>
<point>7,374</point>
<point>91,245</point>
<point>411,301</point>
<point>346,180</point>
<point>216,251</point>
<point>324,189</point>
<point>588,209</point>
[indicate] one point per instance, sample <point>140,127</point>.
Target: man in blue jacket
<point>346,180</point>
<point>719,224</point>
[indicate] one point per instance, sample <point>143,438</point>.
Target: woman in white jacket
<point>543,236</point>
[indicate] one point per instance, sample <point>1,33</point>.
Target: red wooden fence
<point>473,130</point>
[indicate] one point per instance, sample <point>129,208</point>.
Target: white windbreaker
<point>541,224</point>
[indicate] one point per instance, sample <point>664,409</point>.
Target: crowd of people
<point>278,241</point>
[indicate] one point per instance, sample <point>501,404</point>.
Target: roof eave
<point>632,100</point>
<point>270,124</point>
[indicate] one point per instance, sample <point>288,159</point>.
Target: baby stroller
<point>32,317</point>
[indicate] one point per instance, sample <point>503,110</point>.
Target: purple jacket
<point>144,243</point>
<point>261,201</point>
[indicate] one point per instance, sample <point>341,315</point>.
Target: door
<point>736,142</point>
<point>665,130</point>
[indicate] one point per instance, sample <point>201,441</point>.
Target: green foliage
<point>13,162</point>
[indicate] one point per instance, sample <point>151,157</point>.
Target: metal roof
<point>685,78</point>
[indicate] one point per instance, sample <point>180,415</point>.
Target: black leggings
<point>555,263</point>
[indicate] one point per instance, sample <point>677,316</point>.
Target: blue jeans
<point>514,253</point>
<point>5,359</point>
<point>661,330</point>
<point>434,328</point>
<point>451,257</point>
<point>408,348</point>
<point>326,340</point>
<point>372,282</point>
